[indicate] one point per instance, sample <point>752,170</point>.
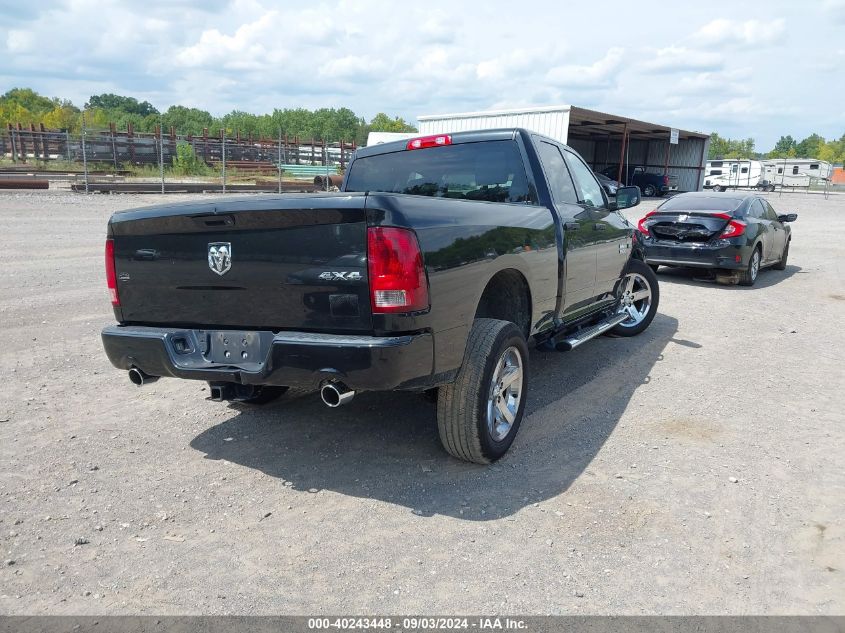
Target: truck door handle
<point>571,226</point>
<point>598,226</point>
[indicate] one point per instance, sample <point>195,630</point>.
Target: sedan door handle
<point>571,226</point>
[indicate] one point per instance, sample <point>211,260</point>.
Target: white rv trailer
<point>732,173</point>
<point>796,172</point>
<point>377,138</point>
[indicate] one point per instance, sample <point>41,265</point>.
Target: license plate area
<point>234,347</point>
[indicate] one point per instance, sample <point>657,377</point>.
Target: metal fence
<point>112,160</point>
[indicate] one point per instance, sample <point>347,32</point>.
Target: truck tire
<point>717,188</point>
<point>640,298</point>
<point>479,414</point>
<point>649,191</point>
<point>748,276</point>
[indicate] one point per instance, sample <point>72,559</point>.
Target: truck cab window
<point>588,188</point>
<point>560,181</point>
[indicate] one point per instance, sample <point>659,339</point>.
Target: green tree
<point>129,105</point>
<point>187,120</point>
<point>721,147</point>
<point>810,146</point>
<point>30,100</point>
<point>833,151</point>
<point>383,123</point>
<point>784,148</point>
<point>186,163</point>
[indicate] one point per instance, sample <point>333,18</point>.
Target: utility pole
<point>224,161</point>
<point>84,154</point>
<point>161,151</point>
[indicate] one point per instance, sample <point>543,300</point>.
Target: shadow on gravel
<point>696,276</point>
<point>385,446</point>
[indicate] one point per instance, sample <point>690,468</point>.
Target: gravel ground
<point>694,469</point>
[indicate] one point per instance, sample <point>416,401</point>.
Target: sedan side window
<point>770,212</point>
<point>589,190</point>
<point>560,181</point>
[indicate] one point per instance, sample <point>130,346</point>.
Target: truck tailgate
<point>287,262</point>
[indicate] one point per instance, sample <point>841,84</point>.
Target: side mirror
<point>627,197</point>
<point>788,217</point>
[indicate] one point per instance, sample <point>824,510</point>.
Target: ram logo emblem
<point>220,257</point>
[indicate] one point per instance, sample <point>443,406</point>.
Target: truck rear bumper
<point>293,359</point>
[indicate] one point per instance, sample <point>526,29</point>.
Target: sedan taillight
<point>641,224</point>
<point>735,228</point>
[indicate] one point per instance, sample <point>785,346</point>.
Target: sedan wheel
<point>748,276</point>
<point>781,265</point>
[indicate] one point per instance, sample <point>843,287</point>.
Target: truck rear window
<point>490,171</point>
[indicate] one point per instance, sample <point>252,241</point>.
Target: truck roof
<point>503,134</point>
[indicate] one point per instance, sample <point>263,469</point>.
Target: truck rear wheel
<point>649,191</point>
<point>479,414</point>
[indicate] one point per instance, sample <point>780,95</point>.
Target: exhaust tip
<point>139,378</point>
<point>336,394</point>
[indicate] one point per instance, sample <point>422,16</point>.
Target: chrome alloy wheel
<point>636,299</point>
<point>505,394</point>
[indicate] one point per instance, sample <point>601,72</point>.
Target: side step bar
<point>582,336</point>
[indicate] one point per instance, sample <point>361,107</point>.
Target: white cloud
<point>19,41</point>
<point>353,67</point>
<point>436,56</point>
<point>727,32</point>
<point>244,49</point>
<point>593,75</point>
<point>730,83</point>
<point>681,59</point>
<point>835,9</point>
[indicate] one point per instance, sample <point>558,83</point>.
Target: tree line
<point>25,106</point>
<point>814,146</point>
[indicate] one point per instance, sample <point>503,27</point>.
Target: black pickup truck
<point>438,262</point>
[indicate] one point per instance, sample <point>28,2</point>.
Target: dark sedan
<point>608,184</point>
<point>739,232</point>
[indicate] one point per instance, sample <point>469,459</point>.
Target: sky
<point>742,69</point>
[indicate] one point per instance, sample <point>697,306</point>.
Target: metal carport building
<point>603,140</point>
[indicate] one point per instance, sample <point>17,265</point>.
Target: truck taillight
<point>429,141</point>
<point>666,179</point>
<point>111,275</point>
<point>396,271</point>
<point>641,224</point>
